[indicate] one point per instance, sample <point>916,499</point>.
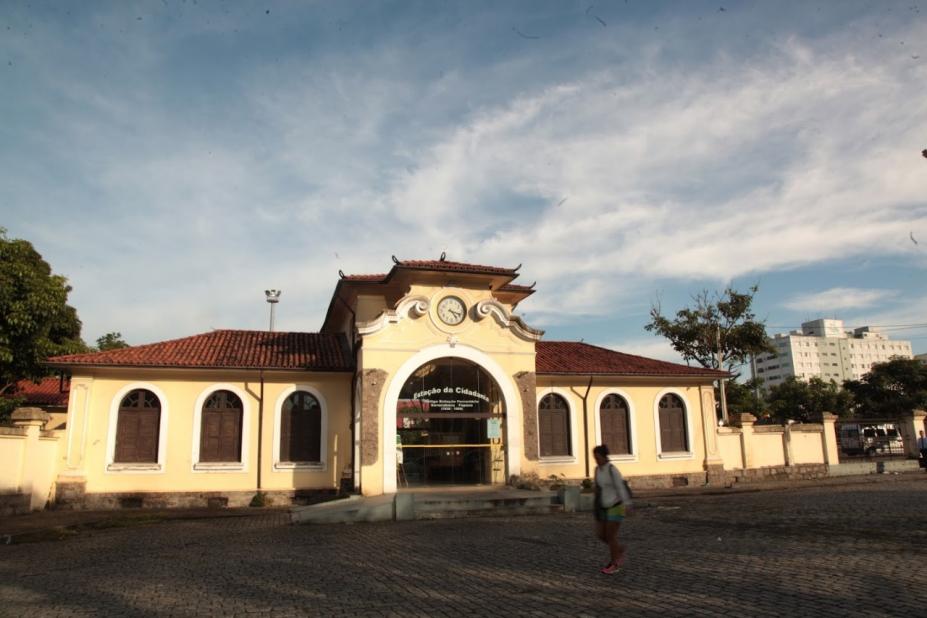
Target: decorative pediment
<point>489,307</point>
<point>412,306</point>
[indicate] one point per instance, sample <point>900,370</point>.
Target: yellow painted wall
<point>730,448</point>
<point>642,397</point>
<point>92,423</point>
<point>767,449</point>
<point>12,449</point>
<point>806,447</point>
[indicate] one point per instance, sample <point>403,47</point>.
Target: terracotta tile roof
<point>571,357</point>
<point>229,349</point>
<point>366,278</point>
<point>46,393</point>
<point>459,267</point>
<point>442,265</point>
<point>514,287</point>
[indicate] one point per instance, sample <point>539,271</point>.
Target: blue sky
<point>174,159</point>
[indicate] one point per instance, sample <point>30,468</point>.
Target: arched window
<point>673,437</point>
<point>614,420</point>
<point>220,433</point>
<point>554,426</point>
<point>301,428</point>
<point>137,428</point>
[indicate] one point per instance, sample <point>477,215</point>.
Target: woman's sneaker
<point>611,569</point>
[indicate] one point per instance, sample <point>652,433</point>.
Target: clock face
<point>451,310</point>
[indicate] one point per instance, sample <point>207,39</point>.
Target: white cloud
<point>838,299</point>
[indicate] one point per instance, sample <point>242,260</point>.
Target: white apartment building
<point>823,348</point>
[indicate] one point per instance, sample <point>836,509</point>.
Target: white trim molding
<point>632,423</point>
<point>690,436</point>
<point>285,466</point>
<point>513,420</point>
<point>489,307</point>
<point>574,437</point>
<point>222,466</point>
<point>111,467</point>
<point>410,306</point>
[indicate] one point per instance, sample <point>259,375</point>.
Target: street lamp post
<point>273,297</point>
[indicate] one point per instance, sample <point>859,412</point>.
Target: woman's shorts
<point>615,513</point>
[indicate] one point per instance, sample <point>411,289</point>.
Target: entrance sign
<point>494,428</point>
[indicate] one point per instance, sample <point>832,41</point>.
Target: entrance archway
<point>449,420</point>
<point>511,428</point>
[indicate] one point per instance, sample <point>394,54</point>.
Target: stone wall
<point>526,381</point>
<point>372,382</point>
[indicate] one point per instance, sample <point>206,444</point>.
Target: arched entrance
<point>450,418</point>
<point>512,425</point>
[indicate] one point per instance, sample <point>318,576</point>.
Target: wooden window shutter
<point>614,421</point>
<point>301,429</point>
<point>673,436</point>
<point>220,430</point>
<point>138,426</point>
<point>554,426</point>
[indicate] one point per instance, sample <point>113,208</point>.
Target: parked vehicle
<point>870,439</point>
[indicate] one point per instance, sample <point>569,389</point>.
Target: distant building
<point>922,358</point>
<point>823,348</point>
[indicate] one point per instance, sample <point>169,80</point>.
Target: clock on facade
<point>451,310</point>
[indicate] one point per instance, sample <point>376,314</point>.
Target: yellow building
<point>421,376</point>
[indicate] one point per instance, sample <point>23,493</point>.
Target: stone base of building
<point>73,500</point>
<point>14,504</point>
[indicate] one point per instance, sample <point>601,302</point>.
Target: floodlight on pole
<point>273,297</point>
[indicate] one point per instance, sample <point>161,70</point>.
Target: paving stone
<point>829,550</point>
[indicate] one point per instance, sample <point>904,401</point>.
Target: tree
<point>720,332</point>
<point>111,341</point>
<point>35,319</point>
<point>743,398</point>
<point>802,401</point>
<point>891,389</point>
<point>696,331</point>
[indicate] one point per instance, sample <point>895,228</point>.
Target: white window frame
<point>110,466</point>
<point>690,436</point>
<point>283,466</point>
<point>632,423</point>
<point>574,444</point>
<point>233,467</point>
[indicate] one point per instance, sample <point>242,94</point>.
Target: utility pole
<point>721,380</point>
<point>273,297</point>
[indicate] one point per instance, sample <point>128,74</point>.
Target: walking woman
<point>612,502</point>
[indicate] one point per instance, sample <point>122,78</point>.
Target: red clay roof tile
<point>571,357</point>
<point>231,349</point>
<point>48,392</point>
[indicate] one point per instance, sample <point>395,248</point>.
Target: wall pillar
<point>829,439</point>
<point>911,425</point>
<point>33,421</point>
<point>787,443</point>
<point>746,421</point>
<point>714,463</point>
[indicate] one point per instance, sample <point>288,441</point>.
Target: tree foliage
<point>35,319</point>
<point>743,397</point>
<point>694,331</point>
<point>802,401</point>
<point>891,389</point>
<point>111,341</point>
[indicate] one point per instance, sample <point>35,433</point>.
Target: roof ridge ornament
<point>516,269</point>
<point>395,260</point>
<point>340,273</point>
<point>443,256</point>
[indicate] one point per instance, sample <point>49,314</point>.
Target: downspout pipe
<point>586,424</point>
<point>260,443</point>
<point>585,398</point>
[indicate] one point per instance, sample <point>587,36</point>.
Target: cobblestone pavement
<point>821,551</point>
